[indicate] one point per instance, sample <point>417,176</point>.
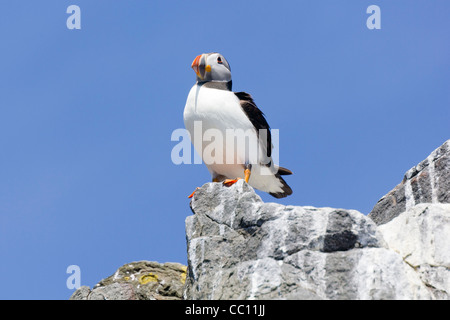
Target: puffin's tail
<point>287,191</point>
<point>283,171</point>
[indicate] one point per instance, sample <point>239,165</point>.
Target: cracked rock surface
<point>242,248</point>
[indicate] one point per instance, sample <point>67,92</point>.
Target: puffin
<point>229,131</point>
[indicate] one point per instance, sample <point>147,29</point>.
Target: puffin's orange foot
<point>192,194</point>
<point>230,182</point>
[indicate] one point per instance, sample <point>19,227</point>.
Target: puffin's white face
<point>211,67</point>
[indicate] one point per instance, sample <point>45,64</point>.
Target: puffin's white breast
<point>219,110</point>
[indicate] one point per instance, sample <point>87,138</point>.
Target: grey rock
<point>82,293</point>
<point>142,280</point>
<point>428,182</point>
<point>113,291</point>
<point>421,236</point>
<point>242,248</point>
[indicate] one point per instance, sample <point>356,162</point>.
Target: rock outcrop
<point>428,182</point>
<point>143,280</point>
<point>242,248</point>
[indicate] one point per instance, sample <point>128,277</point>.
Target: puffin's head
<point>211,67</point>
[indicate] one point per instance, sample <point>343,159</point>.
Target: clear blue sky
<point>86,118</point>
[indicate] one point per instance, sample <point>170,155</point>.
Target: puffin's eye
<point>219,60</point>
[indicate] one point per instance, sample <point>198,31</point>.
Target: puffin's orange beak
<point>195,65</point>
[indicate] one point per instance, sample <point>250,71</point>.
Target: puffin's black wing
<point>256,117</point>
<point>258,120</point>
